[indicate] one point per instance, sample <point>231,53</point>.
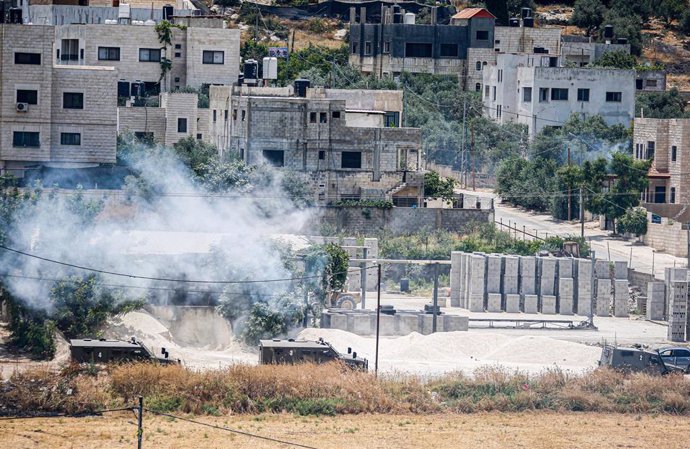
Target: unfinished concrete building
<point>348,153</point>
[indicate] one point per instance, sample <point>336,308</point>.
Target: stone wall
<point>401,220</point>
<point>667,236</point>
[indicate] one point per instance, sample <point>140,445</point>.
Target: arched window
<point>479,65</point>
<point>478,87</point>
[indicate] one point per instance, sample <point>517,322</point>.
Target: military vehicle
<point>290,352</point>
<point>636,360</point>
<point>343,300</point>
<point>105,351</point>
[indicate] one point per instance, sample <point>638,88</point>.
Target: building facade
<point>580,51</point>
<point>533,90</point>
<point>56,116</point>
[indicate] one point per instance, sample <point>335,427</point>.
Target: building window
<point>583,95</point>
<point>478,87</point>
<point>486,91</point>
<point>482,35</point>
<point>391,119</point>
<point>214,116</point>
<point>178,54</point>
<point>144,137</point>
<point>497,41</point>
<point>673,195</point>
<point>417,50</point>
<point>478,66</point>
<point>322,155</point>
<point>27,96</point>
<point>674,153</point>
<point>244,114</point>
<point>449,50</point>
<point>559,94</point>
<point>639,84</point>
<point>355,48</point>
<point>351,159</point>
<point>650,83</point>
<point>367,48</point>
<point>213,57</point>
<point>27,58</point>
<point>387,47</point>
<point>335,114</point>
<point>226,115</point>
<point>181,125</point>
<point>108,53</point>
<point>312,117</point>
<point>500,75</point>
<point>323,117</point>
<point>70,139</point>
<point>72,100</point>
<point>178,46</point>
<point>70,50</point>
<point>651,146</point>
<point>543,94</point>
<point>199,136</point>
<point>527,94</point>
<point>26,139</point>
<point>150,54</point>
<point>493,90</point>
<point>234,114</point>
<point>275,157</point>
<point>499,110</point>
<point>615,97</point>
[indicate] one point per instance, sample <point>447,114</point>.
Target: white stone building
<point>528,89</point>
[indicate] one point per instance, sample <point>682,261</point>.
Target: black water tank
<point>168,12</point>
<point>301,86</point>
<point>2,12</point>
<point>608,31</point>
<point>397,17</point>
<point>528,22</point>
<point>16,15</point>
<point>622,40</point>
<point>123,89</point>
<point>251,71</point>
<point>514,22</point>
<point>525,12</point>
<point>396,9</point>
<point>404,285</point>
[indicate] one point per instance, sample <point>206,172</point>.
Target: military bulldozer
<point>343,300</point>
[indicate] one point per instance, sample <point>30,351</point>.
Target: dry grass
<point>441,431</point>
<point>334,390</point>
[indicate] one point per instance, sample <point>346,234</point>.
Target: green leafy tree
<point>589,15</point>
<point>515,7</point>
<point>671,10</point>
<point>685,22</point>
<point>627,26</point>
<point>630,181</point>
<point>634,221</point>
<point>437,187</point>
<point>498,8</point>
<point>195,154</point>
<point>669,104</point>
<point>271,320</point>
<point>326,267</point>
<point>641,8</point>
<point>617,60</point>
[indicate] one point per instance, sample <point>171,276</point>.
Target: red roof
<point>470,13</point>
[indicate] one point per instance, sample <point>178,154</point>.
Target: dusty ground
<point>494,430</point>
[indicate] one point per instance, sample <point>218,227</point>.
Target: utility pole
<point>474,162</point>
<point>435,316</point>
<point>582,214</point>
<point>378,319</point>
<point>462,141</point>
<point>570,192</point>
<point>140,418</point>
<point>688,248</point>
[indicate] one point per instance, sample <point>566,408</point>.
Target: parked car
<point>677,356</point>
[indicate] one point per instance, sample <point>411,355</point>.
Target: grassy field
<point>437,431</point>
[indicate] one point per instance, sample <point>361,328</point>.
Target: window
<point>559,94</point>
<point>387,47</point>
<point>322,155</point>
<point>583,95</point>
<point>449,50</point>
<point>275,157</point>
<point>367,48</point>
<point>493,90</point>
<point>416,50</point>
<point>177,79</point>
<point>214,116</point>
<point>478,66</point>
<point>144,137</point>
<point>244,114</point>
<point>527,94</point>
<point>500,75</point>
<point>478,87</point>
<point>323,117</point>
<point>335,114</point>
<point>70,50</point>
<point>108,53</point>
<point>27,96</point>
<point>497,41</point>
<point>651,146</point>
<point>150,55</point>
<point>181,125</point>
<point>234,114</point>
<point>70,139</point>
<point>178,46</point>
<point>312,117</point>
<point>486,91</point>
<point>199,136</point>
<point>639,84</point>
<point>543,94</point>
<point>26,139</point>
<point>391,119</point>
<point>73,100</point>
<point>615,97</point>
<point>213,57</point>
<point>178,54</point>
<point>673,195</point>
<point>650,83</point>
<point>351,159</point>
<point>355,48</point>
<point>499,110</point>
<point>674,153</point>
<point>226,115</point>
<point>27,58</point>
<point>482,35</point>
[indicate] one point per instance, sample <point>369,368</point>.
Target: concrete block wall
<point>477,283</point>
<point>584,287</point>
<point>603,303</point>
<point>678,309</point>
<point>566,293</point>
<point>456,286</point>
<point>363,322</point>
<point>620,298</point>
<point>656,301</point>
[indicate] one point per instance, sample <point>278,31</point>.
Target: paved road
<point>639,256</point>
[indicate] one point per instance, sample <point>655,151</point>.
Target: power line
<point>191,281</point>
<point>235,431</point>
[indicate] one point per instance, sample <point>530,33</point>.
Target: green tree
<point>669,104</point>
<point>630,181</point>
<point>515,7</point>
<point>326,268</point>
<point>498,8</point>
<point>271,320</point>
<point>617,60</point>
<point>195,154</point>
<point>628,27</point>
<point>685,22</point>
<point>634,221</point>
<point>437,187</point>
<point>589,15</point>
<point>671,10</point>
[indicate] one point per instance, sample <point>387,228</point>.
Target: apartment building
<point>314,134</point>
<point>531,89</point>
<point>55,116</point>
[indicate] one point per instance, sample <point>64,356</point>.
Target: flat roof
<point>293,344</point>
<point>87,342</point>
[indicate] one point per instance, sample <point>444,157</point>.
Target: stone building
<point>581,50</point>
<point>52,115</point>
<point>314,134</point>
<point>529,89</point>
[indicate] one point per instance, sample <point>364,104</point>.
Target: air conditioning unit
<point>22,107</point>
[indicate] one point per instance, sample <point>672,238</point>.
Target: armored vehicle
<point>633,359</point>
<point>290,352</point>
<point>104,351</point>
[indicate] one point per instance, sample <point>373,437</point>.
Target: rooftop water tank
<point>514,22</point>
<point>270,66</point>
<point>608,31</point>
<point>528,22</point>
<point>408,18</point>
<point>301,86</point>
<point>525,12</point>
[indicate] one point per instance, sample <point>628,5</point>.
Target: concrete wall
<point>67,14</point>
<point>401,220</point>
<point>525,40</point>
<point>667,236</point>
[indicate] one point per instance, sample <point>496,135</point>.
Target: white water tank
<point>408,19</point>
<point>150,22</point>
<point>124,11</point>
<point>270,66</point>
